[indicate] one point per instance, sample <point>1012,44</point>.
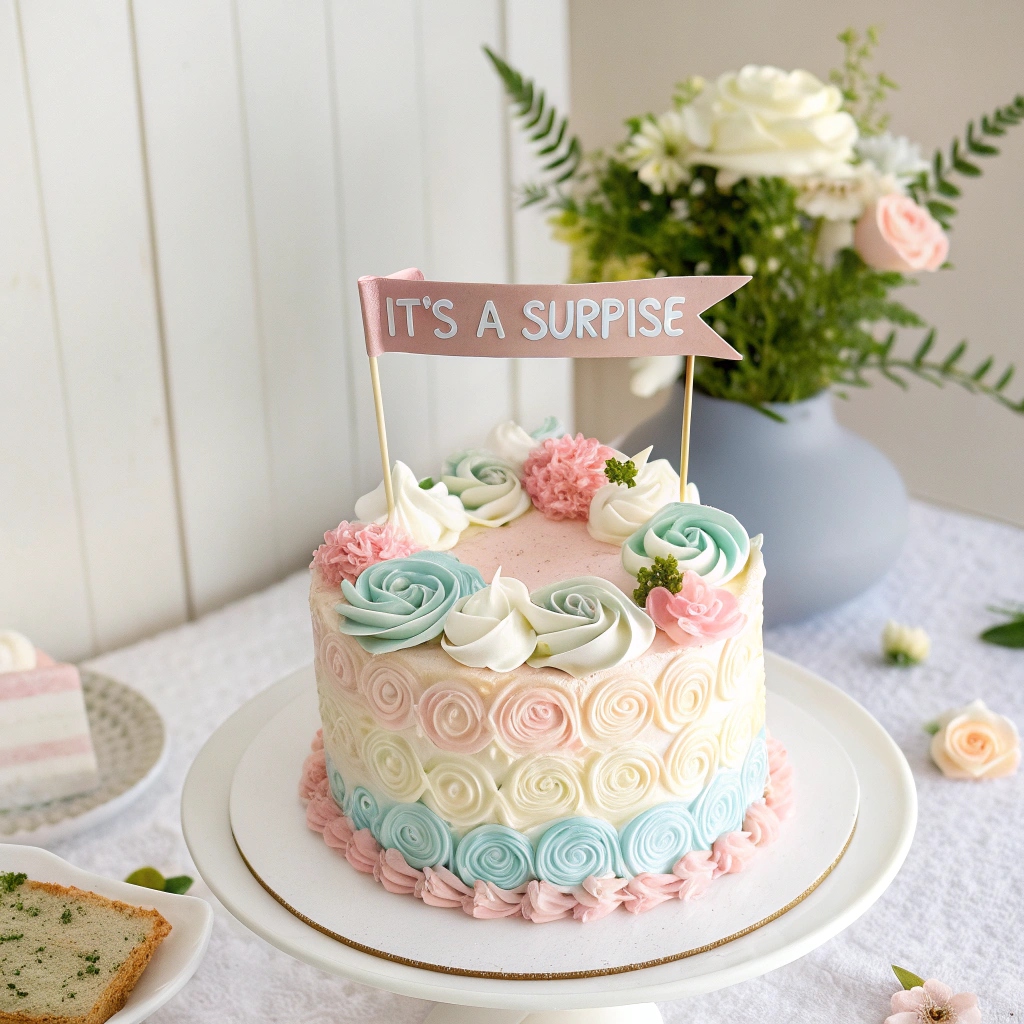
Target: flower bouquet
<point>795,182</point>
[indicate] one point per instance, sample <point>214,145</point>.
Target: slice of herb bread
<point>68,956</point>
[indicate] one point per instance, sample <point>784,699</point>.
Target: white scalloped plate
<point>177,957</point>
<point>321,888</point>
<point>130,741</point>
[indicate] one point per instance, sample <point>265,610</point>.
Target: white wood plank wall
<point>188,192</point>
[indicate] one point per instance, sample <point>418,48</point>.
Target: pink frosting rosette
<point>389,688</point>
<point>534,719</point>
<point>896,234</point>
<point>453,717</point>
<point>339,661</point>
<point>353,547</point>
<point>699,614</point>
<point>562,475</point>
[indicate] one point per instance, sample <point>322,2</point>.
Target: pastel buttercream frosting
<point>404,602</point>
<point>487,629</point>
<point>616,510</point>
<point>586,624</point>
<point>487,485</point>
<point>702,539</point>
<point>431,516</point>
<point>509,441</point>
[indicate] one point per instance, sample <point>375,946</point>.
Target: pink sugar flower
<point>562,475</point>
<point>353,547</point>
<point>934,1002</point>
<point>698,614</point>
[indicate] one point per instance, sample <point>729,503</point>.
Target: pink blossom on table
<point>761,823</point>
<point>338,834</point>
<point>698,614</point>
<point>732,853</point>
<point>395,874</point>
<point>314,771</point>
<point>320,812</point>
<point>697,871</point>
<point>598,897</point>
<point>648,890</point>
<point>778,794</point>
<point>932,1002</point>
<point>895,233</point>
<point>363,851</point>
<point>562,475</point>
<point>544,902</point>
<point>488,902</point>
<point>353,547</point>
<point>441,888</point>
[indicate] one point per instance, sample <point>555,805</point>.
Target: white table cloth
<point>955,911</point>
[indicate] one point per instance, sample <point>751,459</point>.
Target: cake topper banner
<point>653,317</point>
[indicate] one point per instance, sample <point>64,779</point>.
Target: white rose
<point>905,645</point>
<point>975,743</point>
<point>764,121</point>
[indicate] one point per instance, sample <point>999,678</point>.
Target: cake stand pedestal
<point>884,830</point>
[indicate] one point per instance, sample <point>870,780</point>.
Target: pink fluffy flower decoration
<point>934,1002</point>
<point>698,614</point>
<point>563,474</point>
<point>353,547</point>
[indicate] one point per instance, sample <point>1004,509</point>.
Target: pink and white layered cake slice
<point>46,750</point>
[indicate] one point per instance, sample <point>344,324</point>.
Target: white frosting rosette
<point>616,510</point>
<point>510,442</point>
<point>489,629</point>
<point>17,653</point>
<point>586,624</point>
<point>487,485</point>
<point>431,516</point>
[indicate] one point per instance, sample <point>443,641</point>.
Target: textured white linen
<point>955,911</point>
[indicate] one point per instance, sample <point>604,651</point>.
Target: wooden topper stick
<point>684,450</point>
<point>382,436</point>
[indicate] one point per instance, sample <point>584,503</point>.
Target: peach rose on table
<point>973,742</point>
<point>894,233</point>
<point>699,614</point>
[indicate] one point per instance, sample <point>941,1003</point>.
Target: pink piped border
<point>539,901</point>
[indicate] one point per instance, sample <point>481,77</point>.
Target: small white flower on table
<point>905,645</point>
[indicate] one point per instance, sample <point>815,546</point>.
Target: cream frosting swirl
<point>540,789</point>
<point>487,485</point>
<point>17,653</point>
<point>623,779</point>
<point>703,539</point>
<point>488,629</point>
<point>394,765</point>
<point>461,790</point>
<point>586,624</point>
<point>431,516</point>
<point>618,709</point>
<point>616,511</point>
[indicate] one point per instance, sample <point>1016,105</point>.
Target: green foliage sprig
<point>863,91</point>
<point>907,978</point>
<point>1007,634</point>
<point>150,878</point>
<point>621,472</point>
<point>664,573</point>
<point>547,131</point>
<point>935,189</point>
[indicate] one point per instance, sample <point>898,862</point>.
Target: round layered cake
<point>562,710</point>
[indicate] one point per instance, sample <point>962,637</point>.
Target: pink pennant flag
<point>653,317</point>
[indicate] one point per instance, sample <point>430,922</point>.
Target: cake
<point>46,749</point>
<point>70,956</point>
<point>541,685</point>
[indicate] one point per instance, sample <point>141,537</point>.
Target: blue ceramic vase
<point>832,508</point>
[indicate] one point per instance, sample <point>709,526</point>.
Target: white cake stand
<point>884,830</point>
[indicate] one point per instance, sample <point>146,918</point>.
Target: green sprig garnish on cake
<point>664,573</point>
<point>620,472</point>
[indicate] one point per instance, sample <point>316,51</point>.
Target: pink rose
<point>698,614</point>
<point>563,474</point>
<point>897,234</point>
<point>353,547</point>
<point>531,719</point>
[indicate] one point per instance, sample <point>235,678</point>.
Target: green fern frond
<point>935,182</point>
<point>546,131</point>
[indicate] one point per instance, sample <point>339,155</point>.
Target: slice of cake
<point>46,750</point>
<point>68,956</point>
<point>541,685</point>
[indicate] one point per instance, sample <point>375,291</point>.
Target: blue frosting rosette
<point>403,602</point>
<point>657,838</point>
<point>496,854</point>
<point>702,539</point>
<point>418,834</point>
<point>572,849</point>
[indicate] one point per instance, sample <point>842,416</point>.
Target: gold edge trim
<point>547,975</point>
